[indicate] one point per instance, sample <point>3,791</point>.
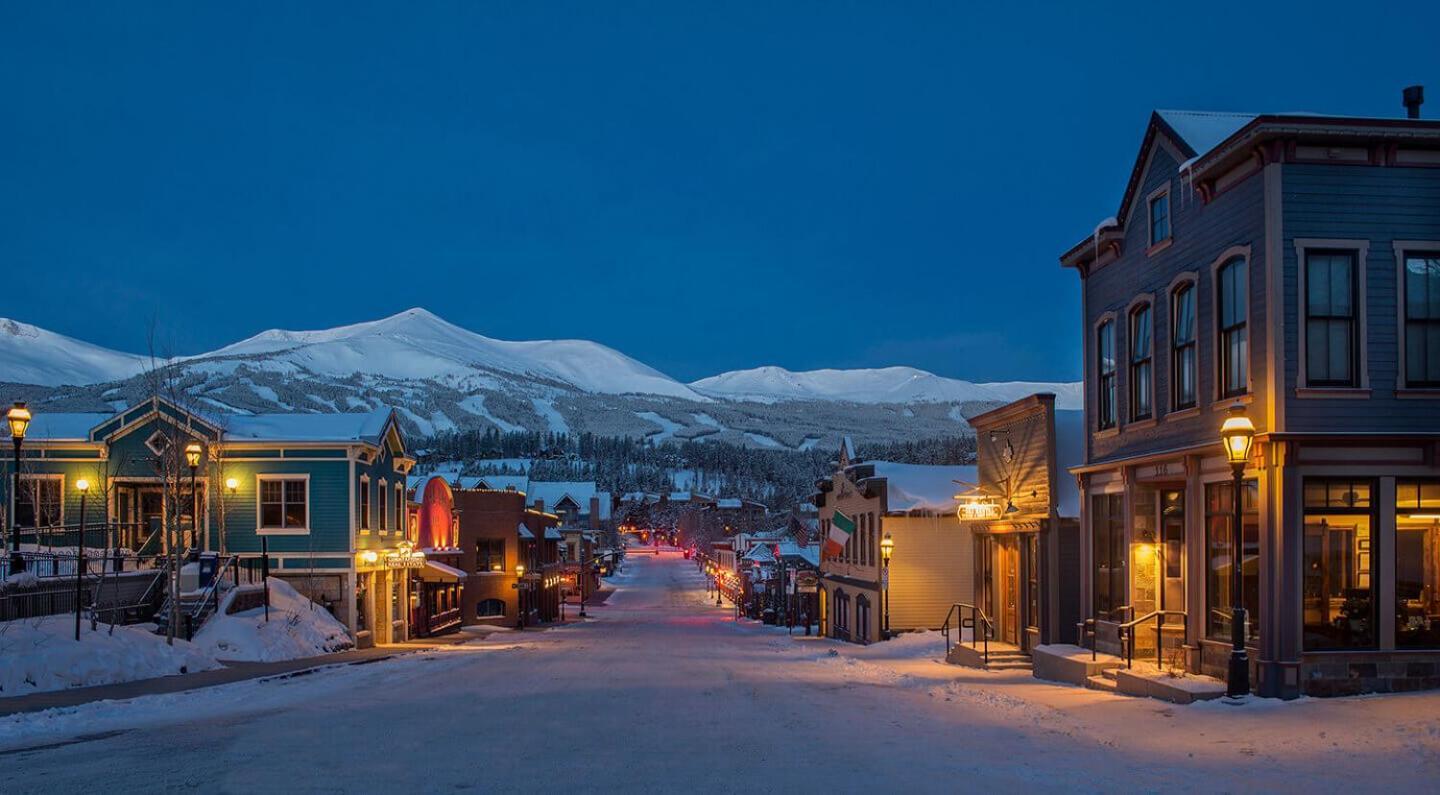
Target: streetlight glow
<point>1238,434</point>
<point>887,547</point>
<point>192,454</point>
<point>82,485</point>
<point>19,419</point>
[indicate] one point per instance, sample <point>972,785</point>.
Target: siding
<point>1380,205</point>
<point>932,568</point>
<point>1201,234</point>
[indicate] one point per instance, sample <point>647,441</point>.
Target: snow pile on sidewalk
<point>41,654</point>
<point>297,628</point>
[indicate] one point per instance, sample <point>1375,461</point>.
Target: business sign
<point>807,582</point>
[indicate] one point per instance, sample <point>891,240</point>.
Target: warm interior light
<point>82,485</point>
<point>1238,434</point>
<point>520,569</point>
<point>19,419</point>
<point>1423,517</point>
<point>192,454</point>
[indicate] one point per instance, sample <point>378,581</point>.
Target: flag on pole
<point>841,526</point>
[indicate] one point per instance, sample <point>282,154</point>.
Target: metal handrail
<point>1127,634</point>
<point>978,639</point>
<point>211,592</point>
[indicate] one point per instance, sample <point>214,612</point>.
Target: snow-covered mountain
<point>443,378</point>
<point>882,385</point>
<point>31,355</point>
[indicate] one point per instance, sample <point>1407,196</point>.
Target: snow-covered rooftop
<point>1204,130</point>
<point>555,492</point>
<point>923,487</point>
<point>526,534</point>
<point>60,426</point>
<point>291,427</point>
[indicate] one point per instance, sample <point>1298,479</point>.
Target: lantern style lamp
<point>1237,434</point>
<point>887,548</point>
<point>192,455</point>
<point>19,419</point>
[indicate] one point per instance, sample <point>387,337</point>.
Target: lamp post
<point>83,486</point>
<point>887,548</point>
<point>1238,435</point>
<point>19,419</point>
<point>519,596</point>
<point>192,460</point>
<point>231,484</point>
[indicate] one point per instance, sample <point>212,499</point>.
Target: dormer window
<point>1160,216</point>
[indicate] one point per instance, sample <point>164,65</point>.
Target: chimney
<point>539,505</point>
<point>1414,97</point>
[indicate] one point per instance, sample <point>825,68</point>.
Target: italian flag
<point>841,526</point>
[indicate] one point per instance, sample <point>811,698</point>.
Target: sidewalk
<point>232,672</point>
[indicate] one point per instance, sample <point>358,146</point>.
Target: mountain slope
<point>31,355</point>
<point>882,385</point>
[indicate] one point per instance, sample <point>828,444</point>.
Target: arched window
<point>1234,340</point>
<point>1141,360</point>
<point>489,608</point>
<point>1105,371</point>
<point>1182,347</point>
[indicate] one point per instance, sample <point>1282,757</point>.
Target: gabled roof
<point>368,427</point>
<point>525,533</point>
<point>922,487</point>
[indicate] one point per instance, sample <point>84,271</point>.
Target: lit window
<point>283,504</point>
<point>1339,565</point>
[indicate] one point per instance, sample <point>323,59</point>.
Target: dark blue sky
<point>705,187</point>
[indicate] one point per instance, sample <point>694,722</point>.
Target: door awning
<point>435,571</point>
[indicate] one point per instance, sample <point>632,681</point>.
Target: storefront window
<point>1108,528</point>
<point>1219,585</point>
<point>396,606</point>
<point>1339,564</point>
<point>1417,564</point>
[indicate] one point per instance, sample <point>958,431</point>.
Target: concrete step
<point>1009,666</point>
<point>1104,683</point>
<point>1109,673</point>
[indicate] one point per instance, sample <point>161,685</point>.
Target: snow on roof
<point>759,553</point>
<point>604,505</point>
<point>445,569</point>
<point>502,482</point>
<point>679,496</point>
<point>923,487</point>
<point>48,426</point>
<point>849,447</point>
<point>359,427</point>
<point>734,503</point>
<point>555,492</point>
<point>552,534</point>
<point>810,553</point>
<point>526,534</point>
<point>1069,452</point>
<point>1204,130</point>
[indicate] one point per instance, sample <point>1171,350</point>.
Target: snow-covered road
<point>662,691</point>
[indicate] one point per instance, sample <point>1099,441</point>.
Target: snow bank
<point>297,628</point>
<point>42,654</point>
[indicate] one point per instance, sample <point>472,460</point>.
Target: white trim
<point>281,531</point>
<point>1401,247</point>
<point>364,522</point>
<point>24,476</point>
<point>1361,248</point>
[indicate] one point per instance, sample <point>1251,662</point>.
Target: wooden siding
<point>1026,478</point>
<point>1377,204</point>
<point>933,567</point>
<point>1201,233</point>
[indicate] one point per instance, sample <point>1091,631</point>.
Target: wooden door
<point>1009,553</point>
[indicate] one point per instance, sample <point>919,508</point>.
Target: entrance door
<point>1009,560</point>
<point>1172,551</point>
<point>140,510</point>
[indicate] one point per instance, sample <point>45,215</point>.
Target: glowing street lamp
<point>1238,436</point>
<point>887,548</point>
<point>19,419</point>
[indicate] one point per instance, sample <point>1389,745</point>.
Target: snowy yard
<point>663,691</point>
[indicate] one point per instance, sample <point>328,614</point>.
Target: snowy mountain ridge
<point>882,385</point>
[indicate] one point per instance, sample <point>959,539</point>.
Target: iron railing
<point>975,622</point>
<point>1127,634</point>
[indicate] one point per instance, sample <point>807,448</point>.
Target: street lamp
<point>192,459</point>
<point>520,595</point>
<point>887,548</point>
<point>1238,436</point>
<point>83,486</point>
<point>19,419</point>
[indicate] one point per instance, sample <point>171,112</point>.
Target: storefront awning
<point>435,571</point>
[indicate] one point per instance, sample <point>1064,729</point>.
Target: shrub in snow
<point>297,628</point>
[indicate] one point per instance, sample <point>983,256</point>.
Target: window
<point>1339,603</point>
<point>1182,347</point>
<point>400,507</point>
<point>489,554</point>
<point>1105,361</point>
<point>489,608</point>
<point>364,503</point>
<point>1330,318</point>
<point>1422,320</point>
<point>1417,564</point>
<point>1140,363</point>
<point>1107,524</point>
<point>862,618</point>
<point>1219,548</point>
<point>1234,342</point>
<point>38,504</point>
<point>1160,219</point>
<point>283,503</point>
<point>384,508</point>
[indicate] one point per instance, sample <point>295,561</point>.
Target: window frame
<point>1146,364</point>
<point>400,527</point>
<point>382,508</point>
<point>1226,513</point>
<point>1405,386</point>
<point>1185,284</point>
<point>1153,243</point>
<point>1358,250</point>
<point>363,498</point>
<point>1107,409</point>
<point>1372,513</point>
<point>490,545</point>
<point>1223,388</point>
<point>42,477</point>
<point>260,528</point>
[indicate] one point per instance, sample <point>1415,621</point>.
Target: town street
<point>661,691</point>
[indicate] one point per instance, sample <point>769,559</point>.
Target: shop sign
<point>403,560</point>
<point>807,582</point>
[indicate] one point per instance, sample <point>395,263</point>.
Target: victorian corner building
<point>1289,266</point>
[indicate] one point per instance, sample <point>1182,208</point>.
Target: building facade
<point>1288,265</point>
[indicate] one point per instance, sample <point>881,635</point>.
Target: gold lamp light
<point>19,419</point>
<point>887,548</point>
<point>192,454</point>
<point>82,485</point>
<point>1238,434</point>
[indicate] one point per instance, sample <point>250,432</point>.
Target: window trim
<point>382,509</point>
<point>363,498</point>
<point>1402,382</point>
<point>1304,247</point>
<point>400,508</point>
<point>1144,301</point>
<point>1188,280</point>
<point>260,529</point>
<point>1217,267</point>
<point>45,476</point>
<point>1100,424</point>
<point>1152,245</point>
